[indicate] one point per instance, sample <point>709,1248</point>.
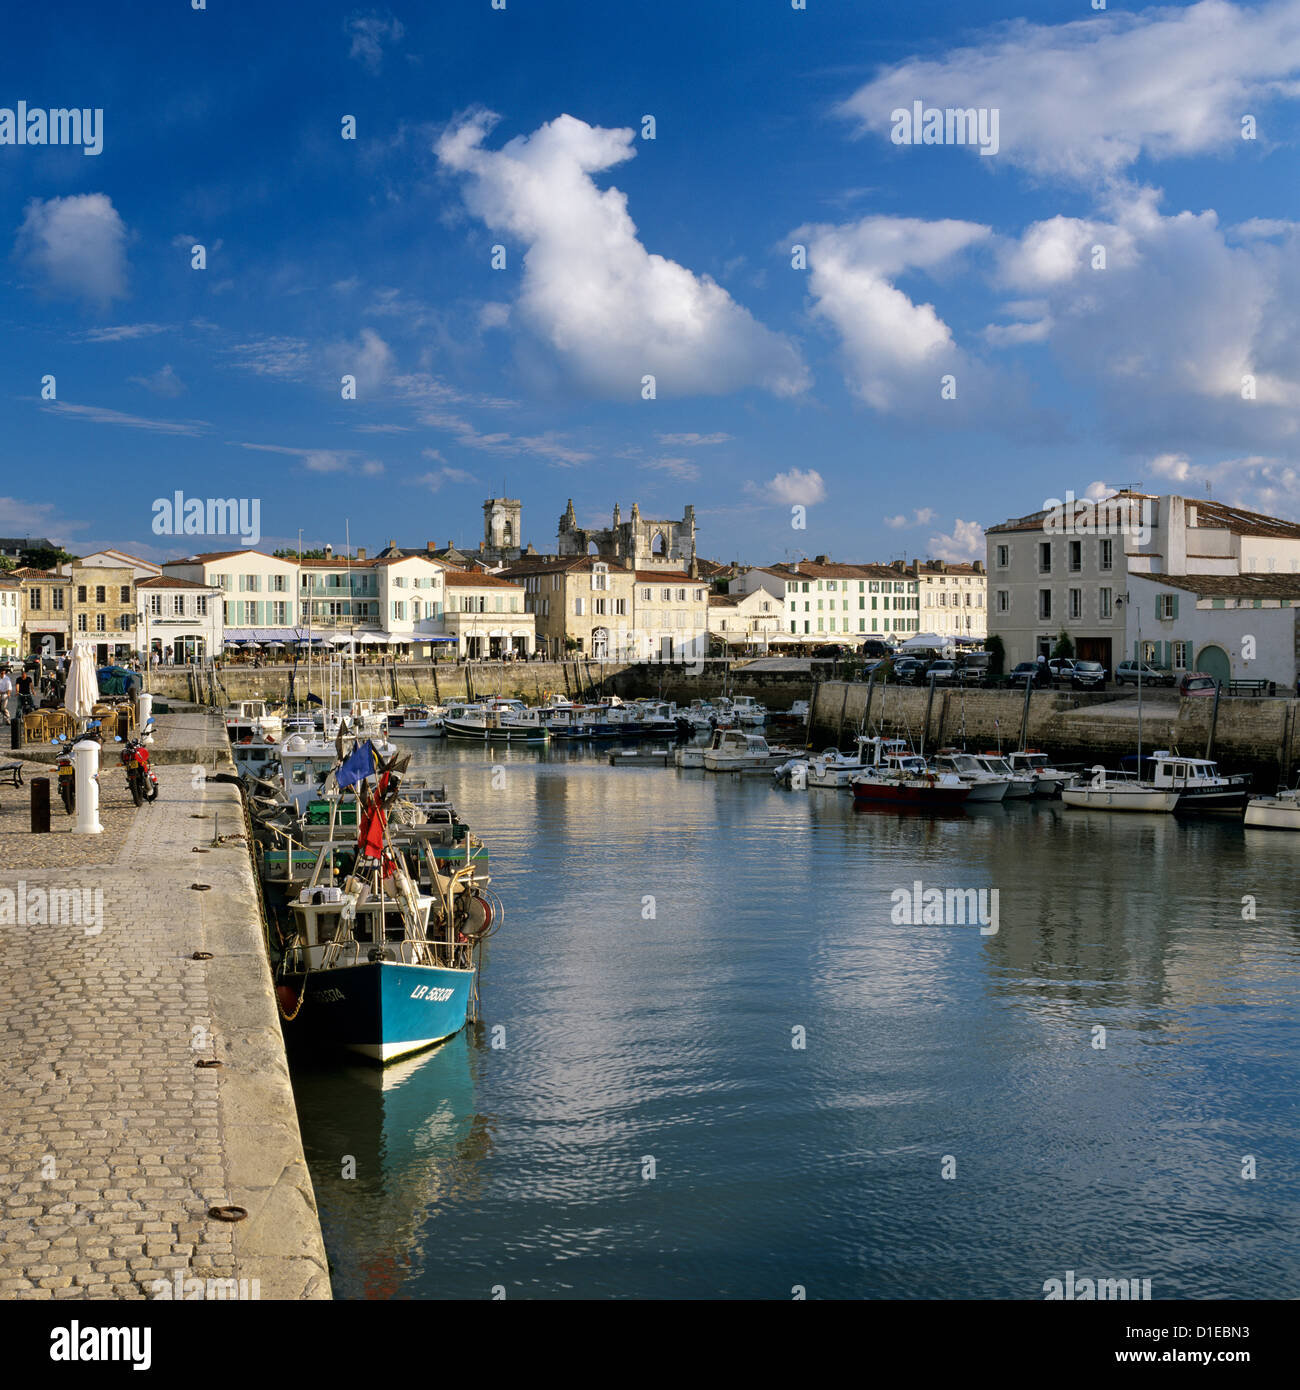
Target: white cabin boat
<point>1280,812</point>
<point>1047,780</point>
<point>1019,784</point>
<point>250,720</point>
<point>738,751</point>
<point>984,785</point>
<point>748,712</point>
<point>1106,792</point>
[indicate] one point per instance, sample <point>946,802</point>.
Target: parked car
<point>869,666</point>
<point>974,668</point>
<point>874,649</point>
<point>1088,675</point>
<point>1196,683</point>
<point>1127,673</point>
<point>1035,672</point>
<point>908,670</point>
<point>1061,668</point>
<point>831,650</point>
<point>941,672</point>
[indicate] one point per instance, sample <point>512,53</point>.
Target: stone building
<point>582,605</point>
<point>646,544</point>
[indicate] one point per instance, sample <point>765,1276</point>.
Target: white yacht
<point>1280,812</point>
<point>1019,784</point>
<point>984,785</point>
<point>1108,792</point>
<point>1048,780</point>
<point>739,751</point>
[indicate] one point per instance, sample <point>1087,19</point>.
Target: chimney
<point>361,552</point>
<point>978,566</point>
<point>822,560</point>
<point>1191,515</point>
<point>392,545</point>
<point>429,547</point>
<point>694,570</point>
<point>916,567</point>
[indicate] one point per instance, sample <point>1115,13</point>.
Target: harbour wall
<point>1255,735</point>
<point>531,681</point>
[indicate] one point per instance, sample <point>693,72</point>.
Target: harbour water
<point>634,1118</point>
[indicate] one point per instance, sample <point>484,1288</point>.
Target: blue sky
<point>627,257</point>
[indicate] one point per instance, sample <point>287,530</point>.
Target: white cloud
<point>895,350</point>
<point>372,468</point>
<point>679,468</point>
<point>122,332</point>
<point>369,31</point>
<point>99,415</point>
<point>1084,100</point>
<point>922,516</point>
<point>493,315</point>
<point>690,440</point>
<point>792,488</point>
<point>435,480</point>
<point>370,360</point>
<point>611,311</point>
<point>76,246</point>
<point>1175,466</point>
<point>163,382</point>
<point>966,542</point>
<point>313,460</point>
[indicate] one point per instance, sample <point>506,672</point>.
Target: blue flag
<point>357,766</point>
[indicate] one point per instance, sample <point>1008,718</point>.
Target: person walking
<point>6,692</point>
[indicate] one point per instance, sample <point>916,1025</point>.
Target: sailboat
<point>1113,791</point>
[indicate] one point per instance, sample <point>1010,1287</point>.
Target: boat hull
<point>1267,813</point>
<point>455,729</point>
<point>380,1009</point>
<point>1120,799</point>
<point>910,793</point>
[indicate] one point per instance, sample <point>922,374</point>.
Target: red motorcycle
<point>141,780</point>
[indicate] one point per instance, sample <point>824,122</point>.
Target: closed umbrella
<point>83,688</point>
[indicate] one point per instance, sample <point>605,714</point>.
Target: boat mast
<point>1139,641</point>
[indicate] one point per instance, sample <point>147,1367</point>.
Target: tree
<point>997,655</point>
<point>289,553</point>
<point>1064,647</point>
<point>44,557</point>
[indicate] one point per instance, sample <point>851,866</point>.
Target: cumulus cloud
<point>610,310</point>
<point>75,247</point>
<point>789,489</point>
<point>369,32</point>
<point>965,542</point>
<point>895,350</point>
<point>1086,99</point>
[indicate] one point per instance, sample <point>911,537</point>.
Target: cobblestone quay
<point>115,1145</point>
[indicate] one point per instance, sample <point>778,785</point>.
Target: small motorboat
<point>1114,792</point>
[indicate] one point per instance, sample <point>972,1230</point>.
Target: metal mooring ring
<point>230,1213</point>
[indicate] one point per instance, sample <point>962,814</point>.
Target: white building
<point>848,604</point>
<point>953,600</point>
<point>412,602</point>
<point>486,616</point>
<point>179,619</point>
<point>747,621</point>
<point>259,592</point>
<point>1072,568</point>
<point>11,616</point>
<point>670,615</point>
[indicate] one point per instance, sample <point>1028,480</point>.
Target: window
<point>124,622</point>
<point>178,605</point>
<point>1182,655</point>
<point>577,607</point>
<point>100,624</point>
<point>34,600</point>
<point>681,595</point>
<point>645,595</point>
<point>1044,557</point>
<point>278,611</point>
<point>598,607</point>
<point>155,605</point>
<point>1076,556</point>
<point>1004,557</point>
<point>1166,607</point>
<point>124,594</point>
<point>81,622</point>
<point>1105,554</point>
<point>1076,603</point>
<point>620,607</point>
<point>81,593</point>
<point>100,592</point>
<point>666,595</point>
<point>1103,603</point>
<point>1044,603</point>
<point>1004,601</point>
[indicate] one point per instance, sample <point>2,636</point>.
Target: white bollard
<point>143,712</point>
<point>85,759</point>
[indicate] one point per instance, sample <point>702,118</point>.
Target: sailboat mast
<point>1139,642</point>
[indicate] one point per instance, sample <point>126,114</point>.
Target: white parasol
<point>82,689</point>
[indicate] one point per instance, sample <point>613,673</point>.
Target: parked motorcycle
<point>67,770</point>
<point>141,779</point>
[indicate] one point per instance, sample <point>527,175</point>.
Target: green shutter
<point>1175,607</point>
